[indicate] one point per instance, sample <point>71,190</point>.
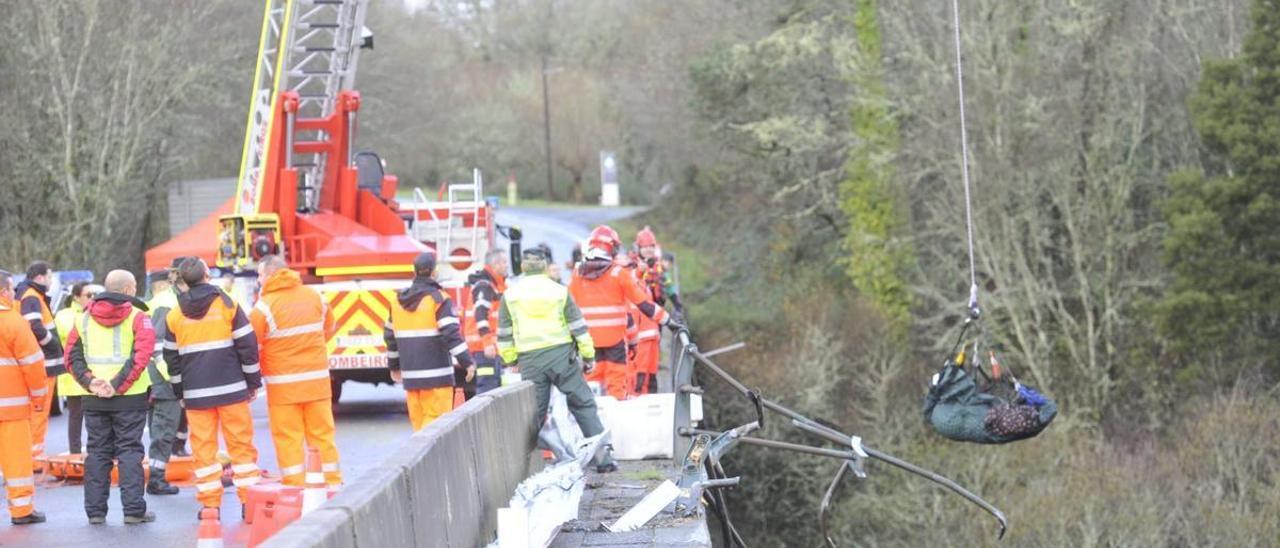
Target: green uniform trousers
<point>557,366</point>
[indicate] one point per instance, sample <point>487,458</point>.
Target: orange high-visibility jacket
<point>35,309</point>
<point>21,365</point>
<point>293,324</point>
<point>211,350</point>
<point>603,293</point>
<point>421,335</point>
<point>481,323</point>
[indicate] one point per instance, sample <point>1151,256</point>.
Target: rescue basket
<point>958,409</point>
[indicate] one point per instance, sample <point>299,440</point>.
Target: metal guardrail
<point>442,488</point>
<point>702,473</point>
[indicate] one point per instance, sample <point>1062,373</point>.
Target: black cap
<point>177,261</point>
<point>425,263</point>
<point>535,252</point>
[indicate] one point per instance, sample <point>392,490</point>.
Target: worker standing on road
<point>34,294</point>
<point>603,289</point>
<point>22,390</point>
<point>538,326</point>
<point>481,324</point>
<point>212,354</point>
<point>422,335</point>
<point>166,412</point>
<point>293,324</point>
<point>81,295</point>
<point>109,349</point>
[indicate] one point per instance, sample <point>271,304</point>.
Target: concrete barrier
<point>442,488</point>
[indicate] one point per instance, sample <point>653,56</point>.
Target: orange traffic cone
<point>210,529</point>
<point>315,492</point>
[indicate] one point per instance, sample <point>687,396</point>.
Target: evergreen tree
<point>1222,309</point>
<point>878,260</point>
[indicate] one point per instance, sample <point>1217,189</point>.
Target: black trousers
<point>75,420</point>
<point>114,435</point>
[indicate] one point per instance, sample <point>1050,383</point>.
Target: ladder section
<point>324,47</point>
<point>458,225</point>
<point>266,86</point>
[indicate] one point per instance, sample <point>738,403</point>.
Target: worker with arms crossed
<point>538,327</point>
<point>212,354</point>
<point>293,324</point>
<point>22,391</point>
<point>423,338</point>
<point>109,350</point>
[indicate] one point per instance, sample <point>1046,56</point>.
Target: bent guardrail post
<point>682,384</point>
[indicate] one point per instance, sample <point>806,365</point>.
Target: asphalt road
<point>561,228</point>
<point>371,422</point>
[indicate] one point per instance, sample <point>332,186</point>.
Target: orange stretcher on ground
<point>70,467</point>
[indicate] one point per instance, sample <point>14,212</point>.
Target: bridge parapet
<point>443,487</point>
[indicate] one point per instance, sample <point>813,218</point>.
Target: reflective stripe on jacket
<point>536,313</point>
<point>293,324</point>
<point>160,306</point>
<point>21,365</point>
<point>481,323</point>
<point>421,341</point>
<point>107,350</point>
<point>35,309</point>
<point>65,320</point>
<point>213,359</point>
<point>604,303</point>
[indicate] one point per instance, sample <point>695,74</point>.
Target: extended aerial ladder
<point>302,189</point>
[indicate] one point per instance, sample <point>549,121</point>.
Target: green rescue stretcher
<point>960,410</point>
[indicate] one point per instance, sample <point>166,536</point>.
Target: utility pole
<point>546,123</point>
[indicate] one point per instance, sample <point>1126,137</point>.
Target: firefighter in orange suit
<point>22,392</point>
<point>481,324</point>
<point>34,295</point>
<point>423,338</point>
<point>603,289</point>
<point>648,339</point>
<point>212,354</point>
<point>293,323</point>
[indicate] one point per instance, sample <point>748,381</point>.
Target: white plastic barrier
<point>642,426</point>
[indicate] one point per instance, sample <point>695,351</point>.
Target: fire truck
<point>303,191</point>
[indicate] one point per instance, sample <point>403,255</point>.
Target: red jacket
<point>602,291</point>
<point>110,310</point>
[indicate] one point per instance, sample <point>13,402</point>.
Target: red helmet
<point>603,237</point>
<point>646,238</point>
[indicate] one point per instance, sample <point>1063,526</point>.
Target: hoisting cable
<point>964,162</point>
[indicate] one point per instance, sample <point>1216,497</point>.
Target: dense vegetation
<point>803,156</point>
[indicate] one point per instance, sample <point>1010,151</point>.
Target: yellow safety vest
<point>536,305</point>
<point>168,299</point>
<point>65,319</point>
<point>106,349</point>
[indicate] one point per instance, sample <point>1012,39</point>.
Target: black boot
<point>158,485</point>
<point>34,517</point>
